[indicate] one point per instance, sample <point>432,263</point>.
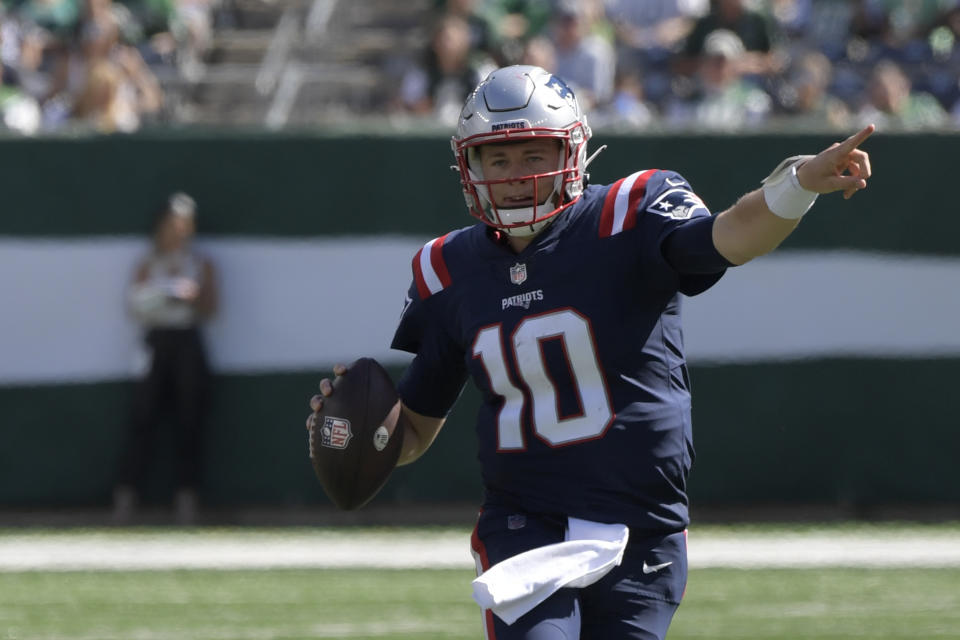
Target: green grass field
<point>428,604</point>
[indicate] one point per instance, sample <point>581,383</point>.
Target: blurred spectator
<point>756,32</point>
<point>804,97</point>
<point>943,71</point>
<point>891,103</point>
<point>827,28</point>
<point>190,30</point>
<point>172,294</point>
<point>792,17</point>
<point>439,86</point>
<point>584,60</point>
<point>102,104</point>
<point>482,32</point>
<point>648,37</point>
<point>723,99</point>
<point>126,87</point>
<point>651,31</point>
<point>539,52</point>
<point>19,112</point>
<point>153,16</point>
<point>896,23</point>
<point>516,21</point>
<point>628,109</point>
<point>58,17</point>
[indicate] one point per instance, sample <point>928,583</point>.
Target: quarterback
<point>562,304</point>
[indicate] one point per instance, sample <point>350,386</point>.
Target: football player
<point>563,306</point>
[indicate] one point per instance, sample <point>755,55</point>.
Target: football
<point>356,441</point>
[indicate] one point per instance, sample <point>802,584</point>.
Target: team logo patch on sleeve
<point>679,204</point>
<point>335,433</point>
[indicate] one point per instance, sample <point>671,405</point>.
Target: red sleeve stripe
<point>418,277</point>
<point>606,216</point>
<point>430,270</point>
<point>620,206</point>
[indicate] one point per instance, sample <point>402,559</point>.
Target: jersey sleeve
<point>676,235</point>
<point>436,376</point>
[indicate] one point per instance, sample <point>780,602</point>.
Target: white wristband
<point>783,193</point>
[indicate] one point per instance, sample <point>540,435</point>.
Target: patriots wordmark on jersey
<point>576,346</point>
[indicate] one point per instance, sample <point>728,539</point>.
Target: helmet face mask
<point>518,104</point>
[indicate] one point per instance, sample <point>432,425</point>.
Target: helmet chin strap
<point>524,212</point>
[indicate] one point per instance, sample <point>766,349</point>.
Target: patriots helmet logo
<point>561,88</point>
<point>678,204</point>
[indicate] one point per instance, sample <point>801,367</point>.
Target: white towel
<point>516,585</point>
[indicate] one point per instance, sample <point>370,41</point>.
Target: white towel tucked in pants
<point>516,585</point>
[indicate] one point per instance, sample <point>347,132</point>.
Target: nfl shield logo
<point>335,433</point>
<point>518,273</point>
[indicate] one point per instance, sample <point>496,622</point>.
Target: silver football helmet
<point>514,104</point>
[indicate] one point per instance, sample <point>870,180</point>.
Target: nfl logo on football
<point>518,273</point>
<point>335,433</point>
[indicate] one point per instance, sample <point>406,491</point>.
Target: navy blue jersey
<point>576,346</point>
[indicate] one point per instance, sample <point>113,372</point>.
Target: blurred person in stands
<point>804,96</point>
<point>192,29</point>
<point>648,36</point>
<point>172,294</point>
<point>756,32</point>
<point>479,21</point>
<point>896,27</point>
<point>99,40</point>
<point>102,104</point>
<point>943,79</point>
<point>722,99</point>
<point>628,109</point>
<point>890,102</point>
<point>19,112</point>
<point>584,59</point>
<point>438,87</point>
<point>655,28</point>
<point>539,52</point>
<point>515,22</point>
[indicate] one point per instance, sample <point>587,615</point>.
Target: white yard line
<point>339,549</point>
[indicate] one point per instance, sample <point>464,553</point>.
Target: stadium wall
<point>822,373</point>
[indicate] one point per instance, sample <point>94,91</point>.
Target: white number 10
<point>573,332</point>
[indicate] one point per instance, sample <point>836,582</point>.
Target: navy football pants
<point>633,601</point>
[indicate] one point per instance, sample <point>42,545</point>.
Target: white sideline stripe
<point>288,305</point>
<point>93,552</point>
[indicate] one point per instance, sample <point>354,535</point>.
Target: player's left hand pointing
<point>840,167</point>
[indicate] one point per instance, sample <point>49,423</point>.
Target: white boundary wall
<point>893,548</point>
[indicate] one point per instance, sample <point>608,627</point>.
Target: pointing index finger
<point>856,139</point>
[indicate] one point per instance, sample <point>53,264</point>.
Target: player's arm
<point>763,218</point>
<point>419,431</point>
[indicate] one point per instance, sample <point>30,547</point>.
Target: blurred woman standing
<point>172,294</point>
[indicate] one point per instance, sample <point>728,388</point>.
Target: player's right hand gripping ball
<point>356,440</point>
